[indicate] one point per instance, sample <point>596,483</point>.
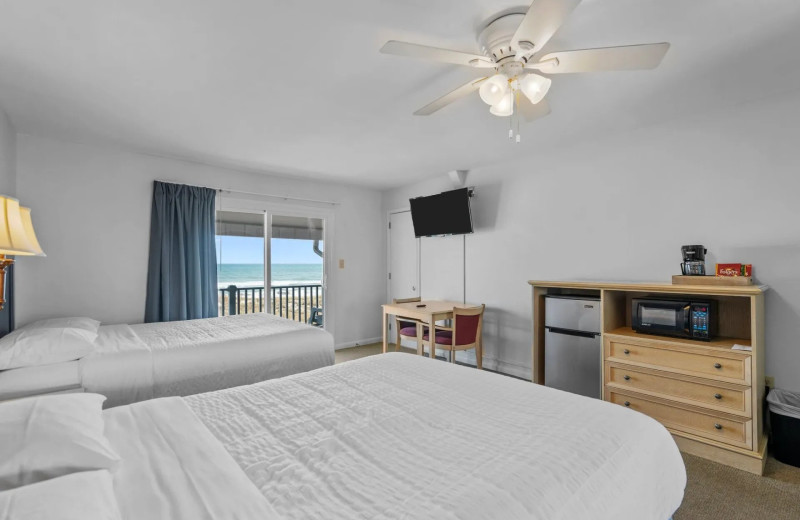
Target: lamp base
<point>4,263</point>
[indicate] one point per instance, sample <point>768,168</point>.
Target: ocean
<point>244,275</point>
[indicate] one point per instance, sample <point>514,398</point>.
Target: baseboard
<point>511,369</point>
<point>358,343</point>
<point>501,367</point>
<point>520,371</point>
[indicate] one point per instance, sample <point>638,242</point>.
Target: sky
<point>250,250</point>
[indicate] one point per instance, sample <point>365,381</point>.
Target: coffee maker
<point>694,260</point>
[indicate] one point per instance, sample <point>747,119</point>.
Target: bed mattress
<point>137,362</point>
<point>402,436</point>
<point>21,382</point>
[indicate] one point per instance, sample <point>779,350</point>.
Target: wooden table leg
<point>385,333</point>
<point>432,337</point>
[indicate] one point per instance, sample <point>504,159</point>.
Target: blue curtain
<point>182,273</point>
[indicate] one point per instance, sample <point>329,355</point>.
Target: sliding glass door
<point>296,271</point>
<point>240,262</point>
<point>272,260</point>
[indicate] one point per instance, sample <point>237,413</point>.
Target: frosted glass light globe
<point>535,87</point>
<point>493,89</point>
<point>505,107</point>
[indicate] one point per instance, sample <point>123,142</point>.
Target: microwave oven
<point>680,318</point>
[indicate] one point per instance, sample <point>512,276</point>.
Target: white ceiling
<point>299,88</point>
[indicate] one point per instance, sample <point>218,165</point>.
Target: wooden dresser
<point>708,395</point>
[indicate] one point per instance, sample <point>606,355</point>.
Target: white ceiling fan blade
<point>530,111</point>
<point>414,50</point>
<point>543,19</point>
<point>460,92</point>
<point>629,57</point>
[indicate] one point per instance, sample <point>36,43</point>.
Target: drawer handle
<point>717,396</point>
<point>717,365</point>
<point>627,403</point>
<point>626,377</point>
<point>718,426</point>
<point>626,352</point>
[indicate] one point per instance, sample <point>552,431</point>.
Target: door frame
<point>389,255</point>
<point>295,209</point>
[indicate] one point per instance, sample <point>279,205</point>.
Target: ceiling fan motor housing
<point>511,68</point>
<point>495,38</point>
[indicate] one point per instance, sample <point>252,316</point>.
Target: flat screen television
<point>447,213</point>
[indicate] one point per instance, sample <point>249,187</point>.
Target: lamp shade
<point>27,223</point>
<point>16,230</point>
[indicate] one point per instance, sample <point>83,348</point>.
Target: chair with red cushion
<point>466,333</point>
<point>407,328</point>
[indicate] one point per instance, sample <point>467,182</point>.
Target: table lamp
<point>17,238</point>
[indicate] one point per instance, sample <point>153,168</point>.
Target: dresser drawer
<point>701,363</point>
<point>724,398</point>
<point>717,427</point>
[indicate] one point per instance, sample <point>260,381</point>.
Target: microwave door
<point>664,317</point>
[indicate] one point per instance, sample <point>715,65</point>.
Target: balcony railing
<point>296,302</point>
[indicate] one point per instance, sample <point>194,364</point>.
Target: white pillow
<point>50,436</point>
<point>88,495</point>
<point>87,324</point>
<point>31,346</point>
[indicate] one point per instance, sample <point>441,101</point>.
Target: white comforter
<point>401,436</point>
<point>136,362</point>
<point>172,468</point>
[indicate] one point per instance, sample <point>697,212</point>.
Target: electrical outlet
<point>341,263</point>
<point>769,381</point>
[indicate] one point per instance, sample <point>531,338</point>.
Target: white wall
<point>8,186</point>
<point>8,155</point>
<point>91,209</point>
<point>620,207</point>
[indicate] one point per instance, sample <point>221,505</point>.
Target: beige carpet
<point>349,354</point>
<point>713,491</point>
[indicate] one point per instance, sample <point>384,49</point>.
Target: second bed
<point>131,363</point>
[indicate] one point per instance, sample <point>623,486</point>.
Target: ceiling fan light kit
<point>511,44</point>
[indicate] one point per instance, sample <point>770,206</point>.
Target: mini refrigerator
<point>572,345</point>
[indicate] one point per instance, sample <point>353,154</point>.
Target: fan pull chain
<point>511,119</point>
<point>514,117</point>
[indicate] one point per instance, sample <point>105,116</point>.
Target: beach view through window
<point>296,267</point>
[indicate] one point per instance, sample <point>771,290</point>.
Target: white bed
<point>131,363</point>
<point>56,377</point>
<point>393,436</point>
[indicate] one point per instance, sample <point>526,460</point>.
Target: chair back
<point>467,325</point>
<point>404,324</point>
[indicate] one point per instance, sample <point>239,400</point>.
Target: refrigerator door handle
<point>568,332</point>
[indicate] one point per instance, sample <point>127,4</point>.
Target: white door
<point>403,259</point>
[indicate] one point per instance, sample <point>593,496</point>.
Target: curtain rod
<point>282,197</point>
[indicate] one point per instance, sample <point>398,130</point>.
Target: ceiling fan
<point>513,67</point>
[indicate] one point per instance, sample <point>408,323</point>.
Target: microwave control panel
<point>700,322</point>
